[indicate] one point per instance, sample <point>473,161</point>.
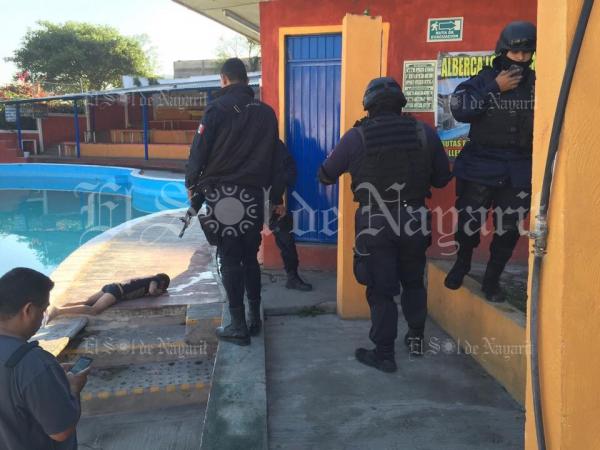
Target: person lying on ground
<point>113,293</point>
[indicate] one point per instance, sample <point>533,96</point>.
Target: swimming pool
<point>49,210</point>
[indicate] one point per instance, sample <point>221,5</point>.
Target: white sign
<point>10,113</point>
<point>418,84</point>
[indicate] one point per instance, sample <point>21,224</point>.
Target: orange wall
<point>569,311</point>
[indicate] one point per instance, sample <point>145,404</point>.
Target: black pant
<point>510,205</point>
<point>385,259</point>
<point>284,238</point>
<point>239,267</point>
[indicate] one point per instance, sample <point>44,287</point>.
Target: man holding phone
<point>494,168</point>
<point>39,406</point>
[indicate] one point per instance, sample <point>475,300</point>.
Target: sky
<point>177,33</point>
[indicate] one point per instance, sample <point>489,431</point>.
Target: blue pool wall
<point>148,194</point>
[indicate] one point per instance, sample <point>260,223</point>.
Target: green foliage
<point>19,90</point>
<point>79,56</point>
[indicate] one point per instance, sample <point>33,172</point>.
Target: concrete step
<point>176,428</point>
<point>126,316</point>
<point>58,334</point>
<point>236,415</point>
<point>201,321</point>
<point>142,387</point>
<point>117,345</point>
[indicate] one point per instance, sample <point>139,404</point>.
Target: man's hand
<point>77,381</point>
<point>190,194</point>
<point>508,80</point>
<point>280,210</point>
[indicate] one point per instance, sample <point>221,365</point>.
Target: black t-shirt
<point>35,400</point>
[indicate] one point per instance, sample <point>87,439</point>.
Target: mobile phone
<point>515,70</point>
<point>80,365</point>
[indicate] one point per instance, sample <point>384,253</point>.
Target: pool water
<point>47,211</point>
<point>39,229</point>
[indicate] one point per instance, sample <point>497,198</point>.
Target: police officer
<point>393,160</point>
<point>281,224</point>
<point>233,158</point>
<point>494,168</point>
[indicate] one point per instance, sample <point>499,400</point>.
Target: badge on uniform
<point>201,129</point>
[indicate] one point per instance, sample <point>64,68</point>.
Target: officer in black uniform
<point>393,160</point>
<point>494,168</point>
<point>281,224</point>
<point>233,159</point>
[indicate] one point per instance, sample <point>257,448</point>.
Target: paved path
<point>320,397</point>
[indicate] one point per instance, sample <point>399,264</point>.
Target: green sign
<point>445,29</point>
<point>418,85</point>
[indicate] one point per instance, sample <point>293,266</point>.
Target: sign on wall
<point>445,29</point>
<point>10,113</point>
<point>418,85</point>
<point>453,68</point>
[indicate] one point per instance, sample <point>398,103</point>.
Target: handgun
<point>195,205</point>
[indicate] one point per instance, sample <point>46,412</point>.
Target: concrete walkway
<point>320,397</point>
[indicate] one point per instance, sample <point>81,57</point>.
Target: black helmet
<point>384,88</point>
<point>517,36</point>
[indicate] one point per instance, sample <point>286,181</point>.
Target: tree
<point>240,47</point>
<point>77,56</point>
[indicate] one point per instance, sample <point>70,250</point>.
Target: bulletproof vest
<point>395,156</point>
<point>508,122</point>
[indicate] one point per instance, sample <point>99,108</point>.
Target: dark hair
<point>163,281</point>
<point>235,70</point>
<point>21,286</point>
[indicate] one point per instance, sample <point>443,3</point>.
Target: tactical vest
<point>508,122</point>
<point>395,156</point>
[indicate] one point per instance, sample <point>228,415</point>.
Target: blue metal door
<point>313,84</point>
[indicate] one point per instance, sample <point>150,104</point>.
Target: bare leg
<point>93,306</point>
<point>89,302</point>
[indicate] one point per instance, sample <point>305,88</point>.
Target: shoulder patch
<point>201,129</point>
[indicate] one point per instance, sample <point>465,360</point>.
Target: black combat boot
<point>491,283</point>
<point>254,320</point>
<point>460,269</point>
<point>415,341</point>
<point>237,331</point>
<point>295,282</point>
<point>371,358</point>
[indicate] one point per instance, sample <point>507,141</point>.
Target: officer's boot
<point>460,269</point>
<point>295,282</point>
<point>237,331</point>
<point>381,358</point>
<point>415,341</point>
<point>490,286</point>
<point>254,320</point>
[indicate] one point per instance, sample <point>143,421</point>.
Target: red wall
<point>108,116</point>
<point>9,146</point>
<point>483,21</point>
<point>59,129</point>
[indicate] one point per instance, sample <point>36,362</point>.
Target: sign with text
<point>453,69</point>
<point>445,29</point>
<point>418,85</point>
<point>10,113</point>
